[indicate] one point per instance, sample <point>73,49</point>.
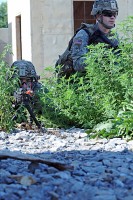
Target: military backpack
<point>64,64</point>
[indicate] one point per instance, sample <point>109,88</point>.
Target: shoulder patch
<point>77,41</point>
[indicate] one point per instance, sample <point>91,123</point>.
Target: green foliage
<point>125,29</point>
<point>117,96</point>
<point>7,85</point>
<point>3,15</point>
<point>85,100</point>
<point>101,100</point>
<point>52,113</point>
<point>121,126</point>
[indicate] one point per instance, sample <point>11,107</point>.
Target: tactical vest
<point>64,65</point>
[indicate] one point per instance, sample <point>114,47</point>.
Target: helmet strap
<point>100,20</point>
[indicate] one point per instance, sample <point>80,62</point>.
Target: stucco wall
<point>58,25</point>
<point>21,8</point>
<point>47,26</point>
<point>37,25</point>
<point>125,9</point>
<point>4,34</point>
<point>57,28</point>
<point>4,40</point>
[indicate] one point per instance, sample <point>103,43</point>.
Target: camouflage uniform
<point>28,80</point>
<point>79,47</point>
<point>81,39</point>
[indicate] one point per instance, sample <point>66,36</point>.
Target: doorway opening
<point>82,13</point>
<point>18,38</point>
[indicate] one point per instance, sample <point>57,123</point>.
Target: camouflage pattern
<point>80,43</point>
<point>25,69</point>
<point>100,5</point>
<point>28,92</point>
<point>79,50</point>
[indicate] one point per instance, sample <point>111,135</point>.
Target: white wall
<point>36,34</point>
<point>46,29</point>
<point>125,9</point>
<point>57,28</point>
<point>22,7</point>
<point>47,26</point>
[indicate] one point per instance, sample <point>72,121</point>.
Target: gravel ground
<point>96,169</point>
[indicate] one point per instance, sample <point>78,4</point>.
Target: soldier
<point>27,93</point>
<point>105,13</point>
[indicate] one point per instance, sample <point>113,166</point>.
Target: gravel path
<point>102,169</point>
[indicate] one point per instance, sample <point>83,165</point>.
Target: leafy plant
<point>101,100</point>
<point>7,86</point>
<point>3,15</point>
<point>85,100</point>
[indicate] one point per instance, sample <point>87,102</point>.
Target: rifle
<point>24,97</point>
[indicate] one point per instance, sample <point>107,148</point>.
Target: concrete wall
<point>3,38</point>
<point>45,29</point>
<point>21,8</point>
<point>47,26</point>
<point>57,28</point>
<point>36,34</point>
<point>125,9</point>
<point>4,34</point>
<point>4,41</point>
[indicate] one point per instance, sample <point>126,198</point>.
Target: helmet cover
<point>101,5</point>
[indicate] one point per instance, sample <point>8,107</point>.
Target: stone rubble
<point>102,168</point>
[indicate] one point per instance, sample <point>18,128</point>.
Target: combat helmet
<point>100,5</point>
<point>25,69</point>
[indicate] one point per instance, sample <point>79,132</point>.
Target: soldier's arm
<point>79,49</point>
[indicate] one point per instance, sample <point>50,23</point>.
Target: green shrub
<point>7,85</point>
<point>101,100</point>
<point>84,100</point>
